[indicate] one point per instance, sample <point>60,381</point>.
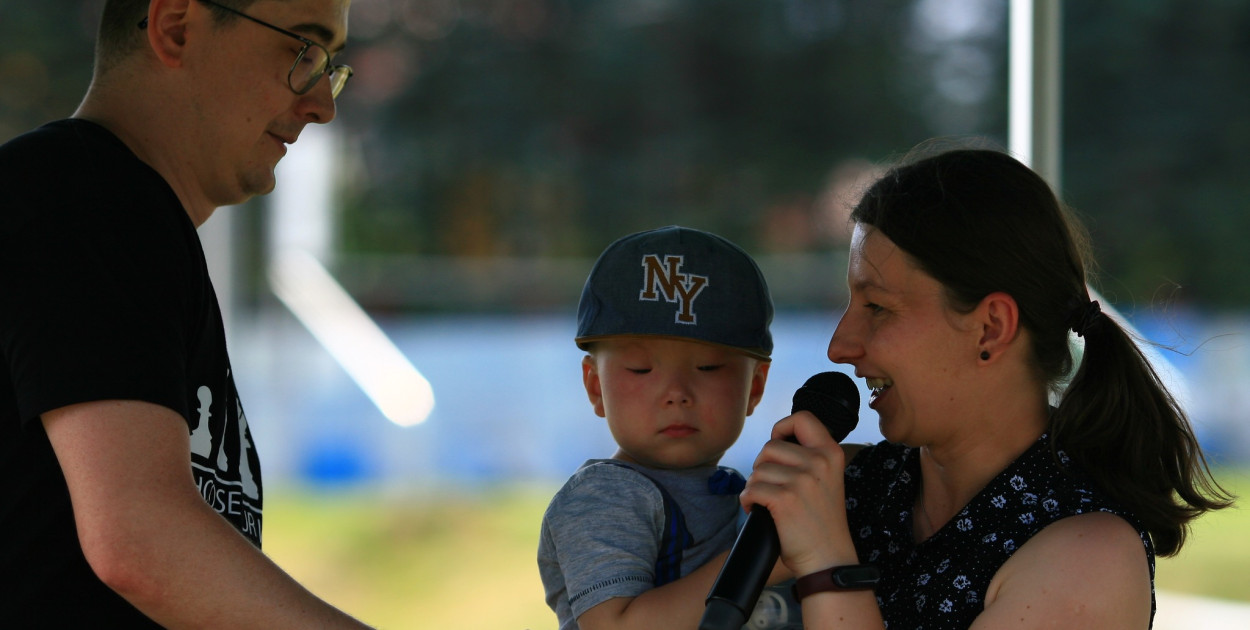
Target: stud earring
<point>985,355</point>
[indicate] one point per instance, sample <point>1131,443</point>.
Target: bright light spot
<point>952,20</point>
<point>1020,82</point>
<point>355,341</point>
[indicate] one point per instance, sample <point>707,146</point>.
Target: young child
<point>674,322</point>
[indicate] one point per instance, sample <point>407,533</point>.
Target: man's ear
<point>594,389</point>
<point>999,318</point>
<point>167,30</point>
<point>758,380</point>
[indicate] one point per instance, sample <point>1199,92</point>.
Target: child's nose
<point>678,393</point>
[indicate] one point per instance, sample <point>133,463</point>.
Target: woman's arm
<point>1083,572</point>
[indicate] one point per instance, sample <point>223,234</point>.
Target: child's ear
<point>594,390</point>
<point>758,380</point>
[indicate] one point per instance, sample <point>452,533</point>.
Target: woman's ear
<point>594,388</point>
<point>998,315</point>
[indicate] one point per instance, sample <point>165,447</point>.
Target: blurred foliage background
<point>487,130</point>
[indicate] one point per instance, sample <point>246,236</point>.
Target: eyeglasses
<point>311,63</point>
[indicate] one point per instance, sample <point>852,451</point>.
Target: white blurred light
<point>1020,82</point>
<point>387,377</point>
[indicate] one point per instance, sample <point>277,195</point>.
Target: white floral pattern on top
<point>1033,492</point>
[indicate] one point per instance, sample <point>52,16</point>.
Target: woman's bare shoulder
<point>1084,571</point>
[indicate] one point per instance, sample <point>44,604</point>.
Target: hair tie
<point>1085,317</point>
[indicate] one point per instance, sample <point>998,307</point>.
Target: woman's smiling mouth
<point>877,387</point>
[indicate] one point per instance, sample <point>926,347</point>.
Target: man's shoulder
<point>58,161</point>
<point>68,150</point>
<point>32,155</point>
<point>51,139</point>
<point>76,175</point>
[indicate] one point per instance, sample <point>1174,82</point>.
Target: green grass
<point>467,560</point>
<point>1215,561</point>
<point>454,560</point>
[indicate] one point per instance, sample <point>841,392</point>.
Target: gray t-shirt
<point>601,537</point>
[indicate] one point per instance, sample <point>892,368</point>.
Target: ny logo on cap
<point>665,278</point>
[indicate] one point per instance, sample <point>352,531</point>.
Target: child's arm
<point>678,604</point>
<point>599,547</point>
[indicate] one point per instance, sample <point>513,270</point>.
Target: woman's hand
<point>802,486</point>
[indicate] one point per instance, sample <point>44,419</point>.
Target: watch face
<point>856,576</point>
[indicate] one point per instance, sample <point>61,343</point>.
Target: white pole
<point>1034,133</point>
<point>1035,86</point>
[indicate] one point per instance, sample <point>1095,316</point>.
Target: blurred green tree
<point>541,127</point>
<point>480,129</point>
<point>1156,125</point>
<point>45,60</point>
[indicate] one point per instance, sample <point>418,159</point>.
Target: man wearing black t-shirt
<point>130,487</point>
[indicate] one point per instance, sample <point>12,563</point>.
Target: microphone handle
<point>745,573</point>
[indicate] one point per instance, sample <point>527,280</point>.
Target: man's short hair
<point>120,35</point>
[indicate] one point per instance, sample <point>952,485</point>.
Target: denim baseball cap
<point>679,283</point>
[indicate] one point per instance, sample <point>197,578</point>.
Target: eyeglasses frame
<point>328,69</point>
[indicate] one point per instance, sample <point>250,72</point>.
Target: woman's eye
<point>874,308</point>
<point>710,368</point>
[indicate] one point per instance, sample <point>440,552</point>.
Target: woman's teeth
<point>877,385</point>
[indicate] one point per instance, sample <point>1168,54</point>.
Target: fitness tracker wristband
<point>854,577</point>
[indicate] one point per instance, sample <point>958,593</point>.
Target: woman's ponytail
<point>1120,425</point>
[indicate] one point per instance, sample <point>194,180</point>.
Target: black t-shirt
<point>104,295</point>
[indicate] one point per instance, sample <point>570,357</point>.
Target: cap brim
<point>756,353</point>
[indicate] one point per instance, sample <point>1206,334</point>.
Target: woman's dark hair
<point>979,221</point>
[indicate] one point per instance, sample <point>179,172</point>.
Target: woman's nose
<point>845,346</point>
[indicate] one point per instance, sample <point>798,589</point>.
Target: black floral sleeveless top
<point>940,584</point>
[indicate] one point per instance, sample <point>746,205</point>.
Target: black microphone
<point>834,399</point>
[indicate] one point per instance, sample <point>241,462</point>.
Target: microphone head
<point>833,398</point>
